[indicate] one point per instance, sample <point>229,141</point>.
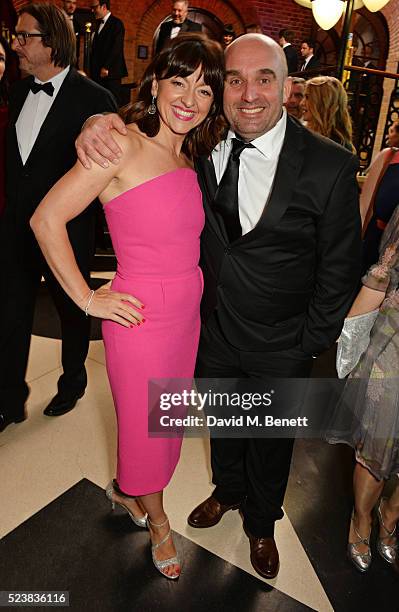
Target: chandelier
<point>328,12</point>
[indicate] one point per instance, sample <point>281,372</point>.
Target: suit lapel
<point>51,124</point>
<point>15,110</point>
<point>184,27</point>
<point>19,100</point>
<point>287,172</point>
<point>99,35</point>
<point>208,183</point>
<point>106,26</point>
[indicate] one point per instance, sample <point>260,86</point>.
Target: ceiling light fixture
<point>375,5</point>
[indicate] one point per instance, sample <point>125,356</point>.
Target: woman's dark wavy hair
<point>4,83</point>
<point>181,58</point>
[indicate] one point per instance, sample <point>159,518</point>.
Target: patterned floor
<point>58,533</point>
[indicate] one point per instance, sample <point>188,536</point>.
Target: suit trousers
<point>21,284</point>
<point>250,471</point>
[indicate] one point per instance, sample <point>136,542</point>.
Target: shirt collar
<point>56,80</point>
<point>270,143</point>
<point>286,45</point>
<point>107,16</point>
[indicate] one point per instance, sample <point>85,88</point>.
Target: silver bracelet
<point>89,302</point>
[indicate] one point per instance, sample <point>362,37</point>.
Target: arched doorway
<point>370,35</point>
<point>212,22</point>
<point>212,26</point>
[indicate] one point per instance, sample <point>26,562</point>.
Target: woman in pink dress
<point>154,211</point>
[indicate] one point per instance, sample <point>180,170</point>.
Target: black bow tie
<point>177,25</point>
<point>48,88</point>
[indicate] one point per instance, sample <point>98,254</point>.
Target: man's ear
<point>287,89</point>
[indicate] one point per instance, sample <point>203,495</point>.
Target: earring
<point>152,109</point>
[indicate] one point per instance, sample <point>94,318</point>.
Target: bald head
<point>256,84</point>
<point>260,41</point>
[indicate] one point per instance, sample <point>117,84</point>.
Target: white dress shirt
<point>33,114</point>
<point>103,22</point>
<point>257,170</point>
<point>306,62</point>
<point>175,31</point>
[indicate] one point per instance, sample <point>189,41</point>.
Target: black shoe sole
<point>53,411</point>
<point>5,423</point>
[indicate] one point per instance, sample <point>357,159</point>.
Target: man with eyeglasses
<point>107,60</point>
<point>47,111</point>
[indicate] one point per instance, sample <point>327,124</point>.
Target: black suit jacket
<point>292,278</point>
<point>292,58</point>
<point>166,28</point>
<point>52,155</point>
<point>313,63</point>
<point>107,50</point>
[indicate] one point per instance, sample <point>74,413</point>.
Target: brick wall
<point>142,17</point>
<point>275,15</point>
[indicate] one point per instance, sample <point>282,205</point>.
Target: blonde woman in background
<point>325,110</point>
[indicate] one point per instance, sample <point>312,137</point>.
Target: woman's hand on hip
<point>115,306</point>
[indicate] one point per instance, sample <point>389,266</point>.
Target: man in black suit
<point>69,7</point>
<point>107,60</point>
<point>178,24</point>
<point>47,111</point>
<point>309,61</point>
<point>281,262</point>
<point>285,39</point>
<point>281,255</point>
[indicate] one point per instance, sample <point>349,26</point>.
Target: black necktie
<point>226,198</point>
<point>48,88</point>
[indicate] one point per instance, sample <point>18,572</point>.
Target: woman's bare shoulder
<point>130,141</point>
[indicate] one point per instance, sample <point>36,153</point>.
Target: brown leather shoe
<point>264,556</point>
<point>209,513</point>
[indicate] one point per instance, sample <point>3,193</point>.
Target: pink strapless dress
<point>155,230</point>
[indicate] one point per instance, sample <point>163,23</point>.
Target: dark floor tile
<point>104,560</point>
<point>318,503</point>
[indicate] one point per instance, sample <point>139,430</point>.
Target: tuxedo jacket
<point>289,281</point>
<point>166,28</point>
<point>313,63</point>
<point>107,50</point>
<point>52,155</point>
<point>291,56</point>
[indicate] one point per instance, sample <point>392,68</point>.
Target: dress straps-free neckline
<point>151,180</point>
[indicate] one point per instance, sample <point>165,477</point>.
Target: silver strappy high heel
<point>361,561</point>
<point>112,487</point>
<point>388,552</point>
<point>162,565</point>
